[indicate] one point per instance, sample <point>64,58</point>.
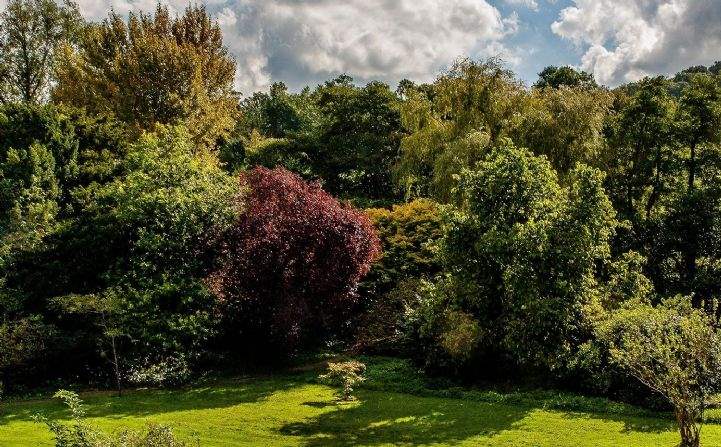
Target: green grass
<point>289,410</point>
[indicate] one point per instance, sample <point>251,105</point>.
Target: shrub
<point>289,267</point>
<point>346,374</point>
<point>673,349</point>
<point>167,372</point>
<point>409,234</point>
<point>78,433</point>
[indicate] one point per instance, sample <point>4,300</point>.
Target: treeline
<point>153,222</point>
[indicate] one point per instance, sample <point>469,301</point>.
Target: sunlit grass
<point>286,410</point>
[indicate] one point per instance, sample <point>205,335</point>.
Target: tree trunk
<point>692,167</point>
<point>688,428</point>
<point>116,367</point>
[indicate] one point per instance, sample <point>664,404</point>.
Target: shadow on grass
<point>631,424</point>
<point>378,418</point>
<point>149,402</point>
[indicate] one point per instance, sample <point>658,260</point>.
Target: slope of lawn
<point>290,410</point>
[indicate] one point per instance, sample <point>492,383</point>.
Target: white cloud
<point>303,42</point>
<point>626,40</point>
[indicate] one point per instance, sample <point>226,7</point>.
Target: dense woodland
<point>155,224</point>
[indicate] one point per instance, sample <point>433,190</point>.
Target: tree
<point>358,139</point>
<point>289,267</point>
<point>347,374</point>
<point>143,239</point>
<point>642,152</point>
<point>699,121</point>
<point>470,108</point>
<point>520,254</point>
<point>31,31</point>
<point>566,124</point>
<point>674,350</point>
<point>156,221</point>
<point>153,69</point>
<point>700,118</point>
<point>556,77</point>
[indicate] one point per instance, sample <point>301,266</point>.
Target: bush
<point>79,433</point>
<point>289,267</point>
<point>673,349</point>
<point>347,374</point>
<point>167,372</point>
<point>408,234</point>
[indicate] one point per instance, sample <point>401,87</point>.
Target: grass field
<point>288,410</point>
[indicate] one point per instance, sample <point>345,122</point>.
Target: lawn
<point>289,410</point>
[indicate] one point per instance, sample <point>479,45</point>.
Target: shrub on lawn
<point>78,433</point>
<point>673,349</point>
<point>347,374</point>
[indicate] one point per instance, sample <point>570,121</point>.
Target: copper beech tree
<point>289,267</point>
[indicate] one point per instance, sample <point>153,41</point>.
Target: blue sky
<point>304,42</point>
<point>536,42</point>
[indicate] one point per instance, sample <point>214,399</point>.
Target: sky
<point>305,42</point>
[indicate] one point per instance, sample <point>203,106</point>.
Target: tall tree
<point>556,77</point>
<point>358,139</point>
<point>641,146</point>
<point>452,123</point>
<point>30,33</point>
<point>153,69</point>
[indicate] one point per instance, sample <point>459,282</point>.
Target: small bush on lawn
<point>172,371</point>
<point>78,433</point>
<point>346,374</point>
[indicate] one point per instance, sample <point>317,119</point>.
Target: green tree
<point>642,157</point>
<point>31,31</point>
<point>556,77</point>
<point>452,123</point>
<point>153,69</point>
<point>521,254</point>
<point>566,124</point>
<point>674,350</point>
<point>358,139</point>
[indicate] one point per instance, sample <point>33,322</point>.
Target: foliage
<point>153,69</point>
<point>31,31</point>
<point>79,433</point>
<point>166,207</point>
<point>521,254</point>
<point>358,138</point>
<point>642,151</point>
<point>142,240</point>
<point>290,265</point>
<point>674,350</point>
<point>556,77</point>
<point>408,234</point>
<point>566,125</point>
<point>167,372</point>
<point>347,374</point>
<point>472,107</point>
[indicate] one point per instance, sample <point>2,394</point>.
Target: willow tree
<point>153,69</point>
<point>451,123</point>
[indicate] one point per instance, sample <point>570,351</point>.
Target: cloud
<point>305,42</point>
<point>626,40</point>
